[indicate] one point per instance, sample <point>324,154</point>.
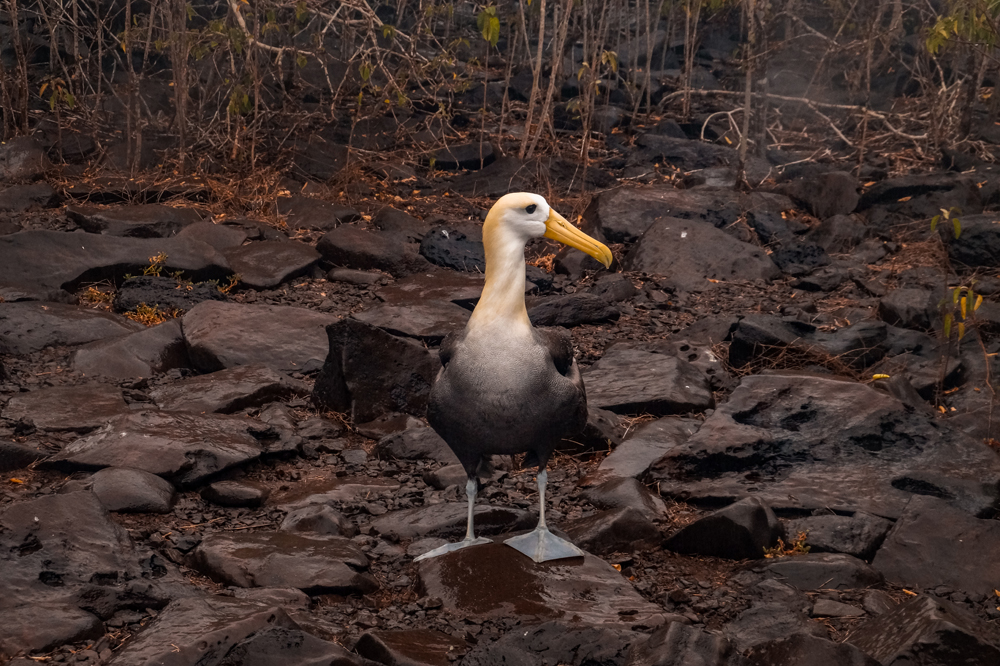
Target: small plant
<point>156,263</point>
<point>95,296</point>
<point>959,309</point>
<point>796,547</point>
<point>228,287</point>
<point>151,315</point>
<point>949,214</point>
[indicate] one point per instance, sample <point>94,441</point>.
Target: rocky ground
<point>213,451</point>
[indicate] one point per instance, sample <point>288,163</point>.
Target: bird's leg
<point>541,545</point>
<point>471,487</point>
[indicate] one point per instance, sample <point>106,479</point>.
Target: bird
<point>506,387</point>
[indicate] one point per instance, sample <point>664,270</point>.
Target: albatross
<point>506,387</point>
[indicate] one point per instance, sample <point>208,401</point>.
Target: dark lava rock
<point>141,354</point>
<point>435,285</point>
<point>647,444</point>
<point>623,215</point>
<point>677,644</point>
<point>220,236</point>
<point>429,321</point>
<point>278,559</point>
<point>301,212</point>
<point>622,530</point>
<point>132,490</point>
<point>202,630</point>
<point>317,158</point>
<point>58,260</point>
<point>137,221</point>
<point>815,429</point>
<point>805,650</point>
<point>909,308</point>
<point>506,174</point>
<point>979,243</point>
<point>933,543</point>
<point>826,194</point>
<point>17,456</point>
<point>828,571</point>
<point>614,287</point>
<point>923,195</point>
<point>769,621</point>
<point>838,234</point>
<point>409,647</point>
<point>859,535</point>
<point>79,408</point>
<point>351,247</point>
<point>451,248</point>
<point>164,293</point>
<point>318,519</point>
<point>464,156</point>
<point>236,493</point>
<point>585,590</point>
<point>62,550</point>
<point>369,372</point>
<point>183,448</point>
<point>627,492</point>
<point>396,221</point>
<point>333,489</point>
<point>21,198</point>
<point>266,264</point>
<point>826,278</point>
<point>740,531</point>
<point>42,627</point>
<point>448,519</point>
<point>31,326</point>
<point>223,335</point>
<point>560,642</point>
<point>351,276</point>
<point>799,258</point>
<point>22,158</point>
<point>417,443</point>
<point>629,381</point>
<point>831,608</point>
<point>572,310</point>
<point>228,391</point>
<point>929,632</point>
<point>690,253</point>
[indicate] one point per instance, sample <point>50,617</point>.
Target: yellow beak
<point>558,228</point>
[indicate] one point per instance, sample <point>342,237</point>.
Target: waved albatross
<point>506,387</point>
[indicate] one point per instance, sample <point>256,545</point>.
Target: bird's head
<point>520,216</point>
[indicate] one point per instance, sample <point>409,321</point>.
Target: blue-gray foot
<point>451,547</point>
<point>542,545</point>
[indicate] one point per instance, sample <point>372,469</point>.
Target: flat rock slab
<point>67,408</point>
<point>448,519</point>
<point>629,381</point>
<point>558,642</point>
<point>141,354</point>
<point>783,438</point>
<point>429,321</point>
<point>165,293</point>
<point>740,531</point>
<point>417,443</point>
<point>332,488</point>
<point>224,335</point>
<point>31,326</point>
<point>54,546</point>
<point>266,264</point>
<point>198,631</point>
<point>228,391</point>
<point>60,260</point>
<point>827,571</point>
<point>859,535</point>
<point>409,647</point>
<point>650,441</point>
<point>802,648</point>
<point>183,448</point>
<point>690,253</point>
<point>677,644</point>
<point>925,630</point>
<point>139,220</point>
<point>327,565</point>
<point>351,247</point>
<point>14,455</point>
<point>438,285</point>
<point>42,627</point>
<point>933,543</point>
<point>584,590</point>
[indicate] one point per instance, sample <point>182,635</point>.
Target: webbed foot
<point>451,547</point>
<point>542,545</point>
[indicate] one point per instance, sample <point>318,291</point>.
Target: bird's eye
<point>531,209</point>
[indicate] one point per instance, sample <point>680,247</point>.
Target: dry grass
<point>151,315</point>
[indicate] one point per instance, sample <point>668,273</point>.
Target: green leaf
<point>301,60</point>
<point>947,325</point>
<point>955,295</point>
<point>489,25</point>
<point>934,223</point>
<point>958,227</point>
<point>365,71</point>
<point>961,330</point>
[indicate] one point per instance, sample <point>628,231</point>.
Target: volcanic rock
<point>428,321</point>
<point>301,212</point>
<point>859,535</point>
<point>236,493</point>
<point>318,519</point>
<point>677,644</point>
<point>266,264</point>
<point>31,326</point>
<point>409,647</point>
<point>278,559</point>
<point>623,530</point>
<point>183,448</point>
<point>228,391</point>
<point>132,490</point>
<point>220,236</point>
<point>816,428</point>
<point>417,443</point>
<point>556,642</point>
<point>351,247</point>
<point>67,408</point>
<point>622,492</point>
<point>141,354</point>
<point>740,531</point>
<point>825,195</point>
<point>17,456</point>
<point>138,221</point>
<point>647,444</point>
<point>22,158</point>
<point>572,310</point>
<point>448,519</point>
<point>628,381</point>
<point>164,293</point>
<point>801,649</point>
<point>828,571</point>
<point>224,335</point>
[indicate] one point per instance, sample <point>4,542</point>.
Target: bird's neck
<point>502,301</point>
